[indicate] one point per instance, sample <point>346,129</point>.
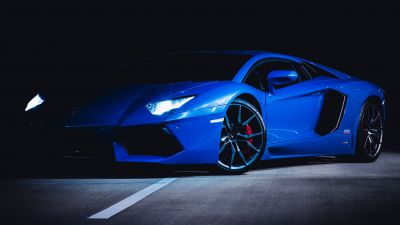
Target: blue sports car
<point>230,109</point>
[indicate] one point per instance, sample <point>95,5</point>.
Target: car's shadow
<point>89,169</point>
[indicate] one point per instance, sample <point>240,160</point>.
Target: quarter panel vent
<point>331,112</point>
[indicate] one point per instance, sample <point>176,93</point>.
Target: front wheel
<point>243,138</point>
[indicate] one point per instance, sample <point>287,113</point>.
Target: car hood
<point>108,106</point>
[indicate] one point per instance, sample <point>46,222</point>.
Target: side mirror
<point>279,77</point>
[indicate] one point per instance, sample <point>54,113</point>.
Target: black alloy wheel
<point>370,132</point>
<point>243,138</point>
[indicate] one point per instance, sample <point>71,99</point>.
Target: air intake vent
<point>331,113</point>
<point>148,140</point>
<point>88,143</point>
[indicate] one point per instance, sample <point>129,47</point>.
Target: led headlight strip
<point>34,102</point>
<point>161,107</point>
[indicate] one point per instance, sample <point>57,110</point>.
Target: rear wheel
<point>243,138</point>
<point>370,132</point>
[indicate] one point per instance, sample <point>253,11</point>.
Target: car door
<point>292,110</point>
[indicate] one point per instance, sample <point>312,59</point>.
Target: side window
<point>302,72</point>
<point>257,77</point>
<point>315,71</point>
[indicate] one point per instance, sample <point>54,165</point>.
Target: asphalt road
<point>306,191</point>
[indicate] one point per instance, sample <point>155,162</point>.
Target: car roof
<point>251,53</point>
<point>260,55</point>
<point>227,52</point>
<point>256,55</point>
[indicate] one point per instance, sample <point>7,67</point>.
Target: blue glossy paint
<point>290,114</point>
<point>279,77</point>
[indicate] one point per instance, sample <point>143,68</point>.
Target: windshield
<point>179,67</point>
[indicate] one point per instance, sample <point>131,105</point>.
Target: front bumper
<point>184,138</point>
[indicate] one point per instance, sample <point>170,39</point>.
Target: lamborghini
<point>230,109</point>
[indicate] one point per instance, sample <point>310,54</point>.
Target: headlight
<point>159,108</point>
<point>34,102</point>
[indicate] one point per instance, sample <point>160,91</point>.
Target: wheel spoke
<point>232,156</point>
<point>255,134</point>
<point>227,123</point>
<point>240,153</point>
<point>248,120</point>
<point>365,143</point>
<point>369,118</point>
<point>252,146</point>
<point>375,138</point>
<point>375,119</point>
<point>370,139</point>
<point>248,136</point>
<point>371,145</point>
<point>371,134</point>
<point>223,147</point>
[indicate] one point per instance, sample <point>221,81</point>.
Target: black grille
<point>39,140</point>
<point>88,142</point>
<point>148,140</point>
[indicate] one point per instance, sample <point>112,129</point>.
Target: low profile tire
<point>369,132</point>
<point>243,138</point>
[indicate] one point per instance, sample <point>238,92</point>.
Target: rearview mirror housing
<point>280,77</point>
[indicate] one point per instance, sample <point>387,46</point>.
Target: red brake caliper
<point>248,132</point>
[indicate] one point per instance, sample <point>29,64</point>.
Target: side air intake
<point>331,112</point>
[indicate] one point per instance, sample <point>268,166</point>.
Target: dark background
<point>51,43</point>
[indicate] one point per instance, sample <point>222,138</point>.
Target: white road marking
<point>129,201</point>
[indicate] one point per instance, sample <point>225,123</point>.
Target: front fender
<point>210,99</point>
<point>219,93</point>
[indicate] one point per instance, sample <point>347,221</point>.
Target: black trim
<point>316,71</point>
<point>331,113</point>
<point>154,140</point>
<point>88,142</point>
